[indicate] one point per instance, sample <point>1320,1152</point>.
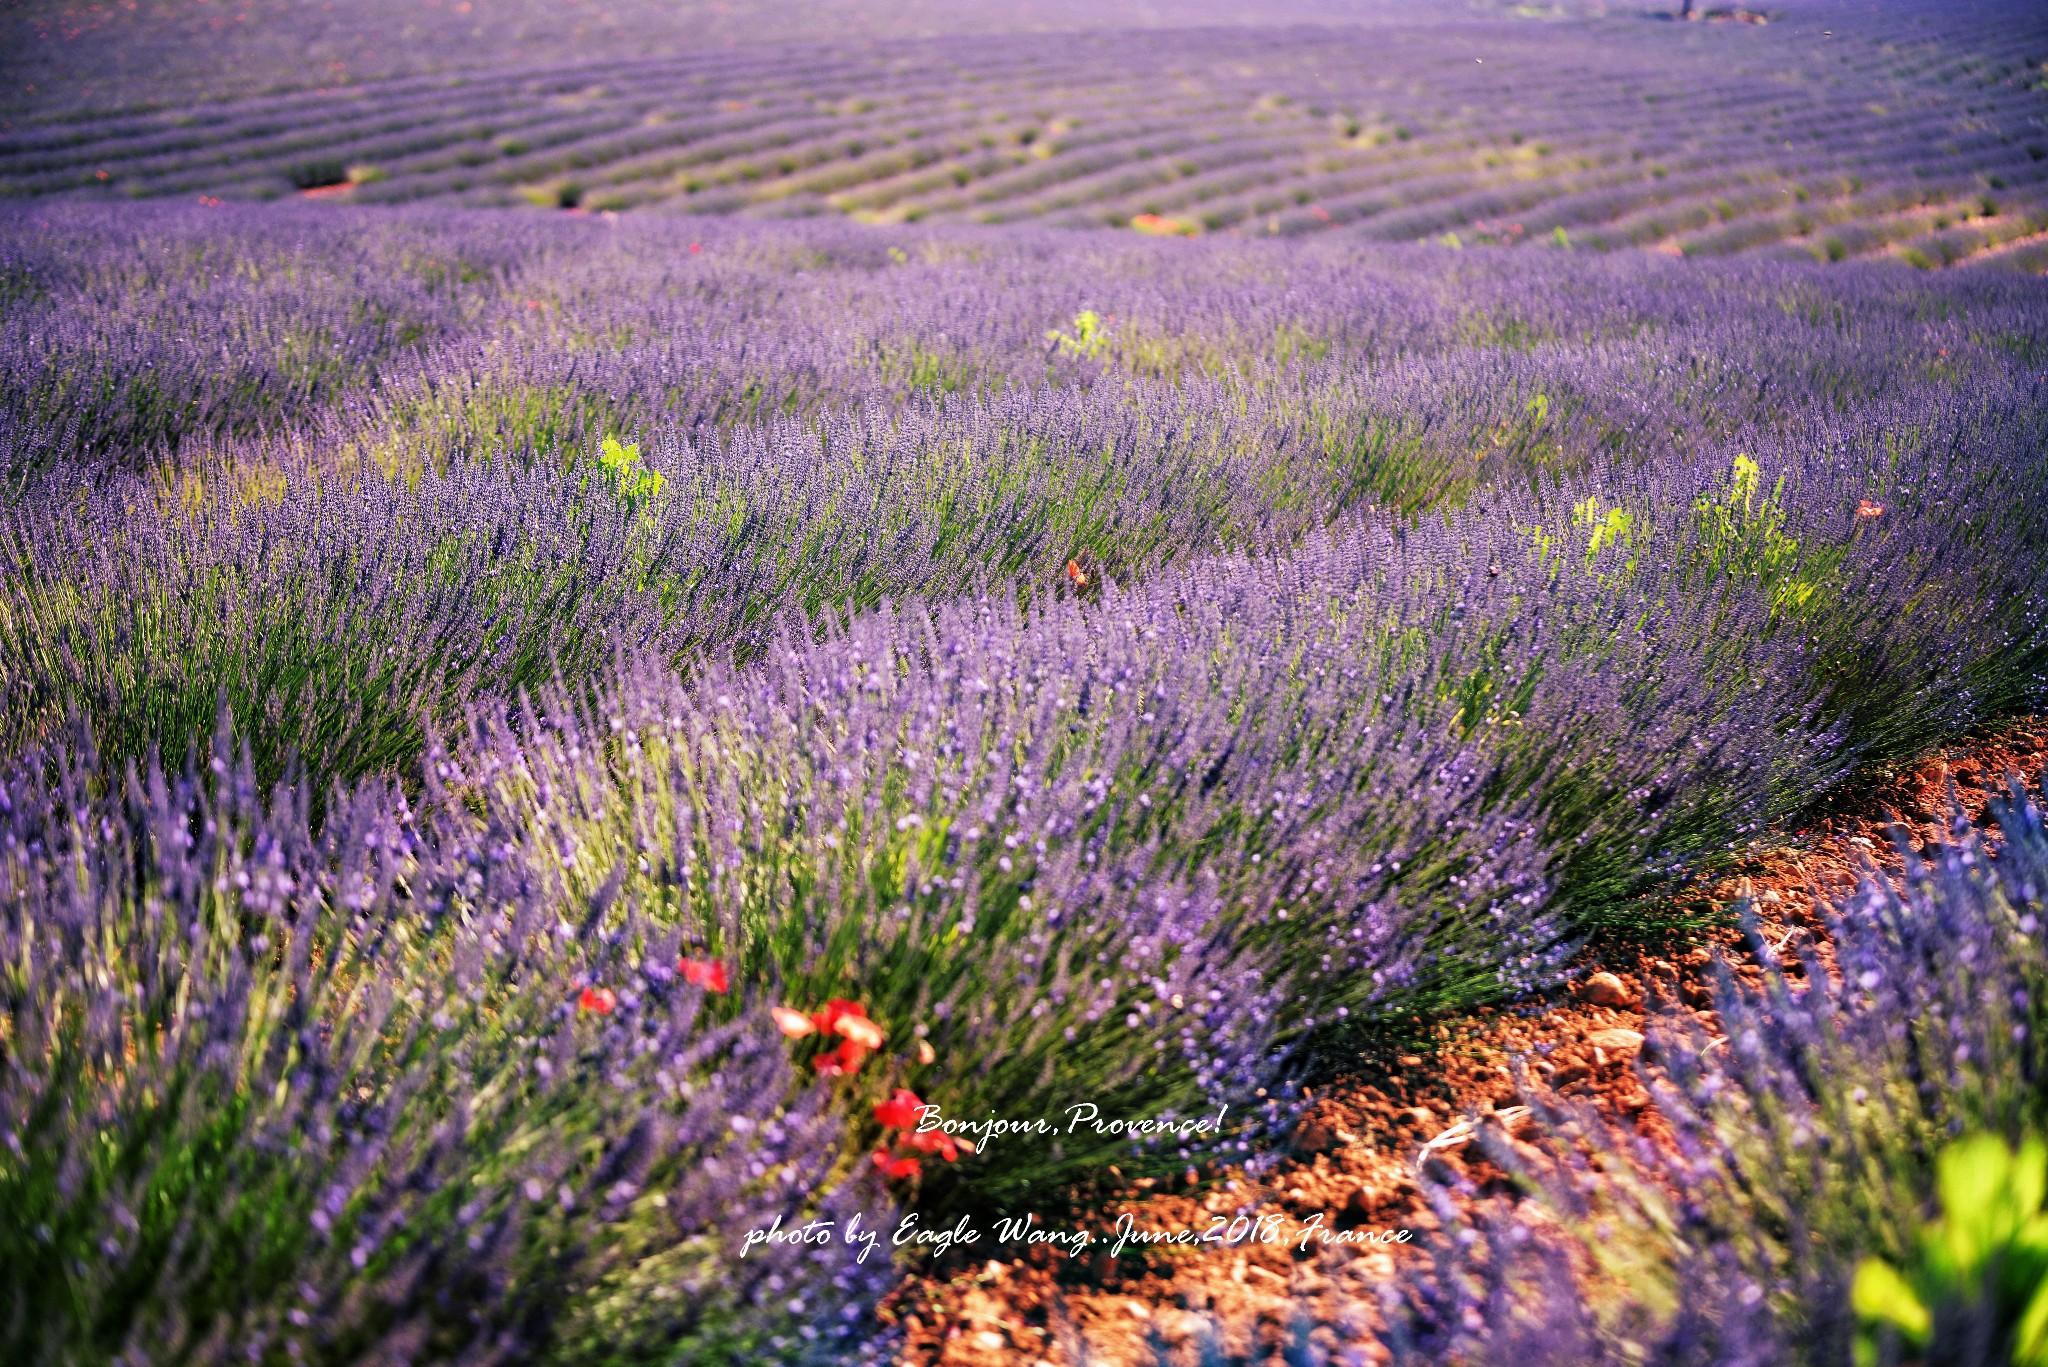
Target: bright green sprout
<point>1987,1257</point>
<point>1615,527</point>
<point>633,480</point>
<point>1089,337</point>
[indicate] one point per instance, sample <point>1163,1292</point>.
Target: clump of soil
<point>1364,1141</point>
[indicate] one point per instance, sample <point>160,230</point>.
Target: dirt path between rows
<point>1356,1151</point>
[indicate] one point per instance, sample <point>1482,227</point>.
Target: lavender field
<point>594,610</point>
<point>1837,132</point>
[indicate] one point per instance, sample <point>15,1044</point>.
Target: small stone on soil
<point>1604,989</point>
<point>1617,1042</point>
<point>1313,1136</point>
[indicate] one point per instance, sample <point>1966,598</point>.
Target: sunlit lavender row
<point>363,481</point>
<point>416,336</point>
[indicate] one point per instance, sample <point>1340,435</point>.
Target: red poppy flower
<point>901,1110</point>
<point>839,1006</point>
<point>1076,573</point>
<point>1865,508</point>
<point>602,1000</point>
<point>851,1020</point>
<point>897,1167</point>
<point>939,1142</point>
<point>860,1030</point>
<point>841,1061</point>
<point>708,974</point>
<point>794,1024</point>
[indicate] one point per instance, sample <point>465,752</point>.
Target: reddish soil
<point>1356,1151</point>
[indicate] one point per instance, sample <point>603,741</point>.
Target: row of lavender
<point>1835,133</point>
<point>422,336</point>
<point>1852,1172</point>
<point>433,518</point>
<point>436,1075</point>
<point>57,56</point>
<point>279,1092</point>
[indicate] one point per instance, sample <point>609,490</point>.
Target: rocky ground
<point>1408,1105</point>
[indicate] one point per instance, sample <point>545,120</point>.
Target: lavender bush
<point>415,337</point>
<point>336,624</point>
<point>281,1096</point>
<point>1806,1141</point>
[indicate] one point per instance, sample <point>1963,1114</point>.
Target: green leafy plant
<point>1089,338</point>
<point>1743,534</point>
<point>634,482</point>
<point>1979,1276</point>
<point>1615,526</point>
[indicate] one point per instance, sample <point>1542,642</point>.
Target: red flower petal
<point>860,1030</point>
<point>841,1061</point>
<point>795,1024</point>
<point>708,974</point>
<point>900,1111</point>
<point>897,1167</point>
<point>836,1010</point>
<point>935,1141</point>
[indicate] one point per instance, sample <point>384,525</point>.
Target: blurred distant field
<point>1830,132</point>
